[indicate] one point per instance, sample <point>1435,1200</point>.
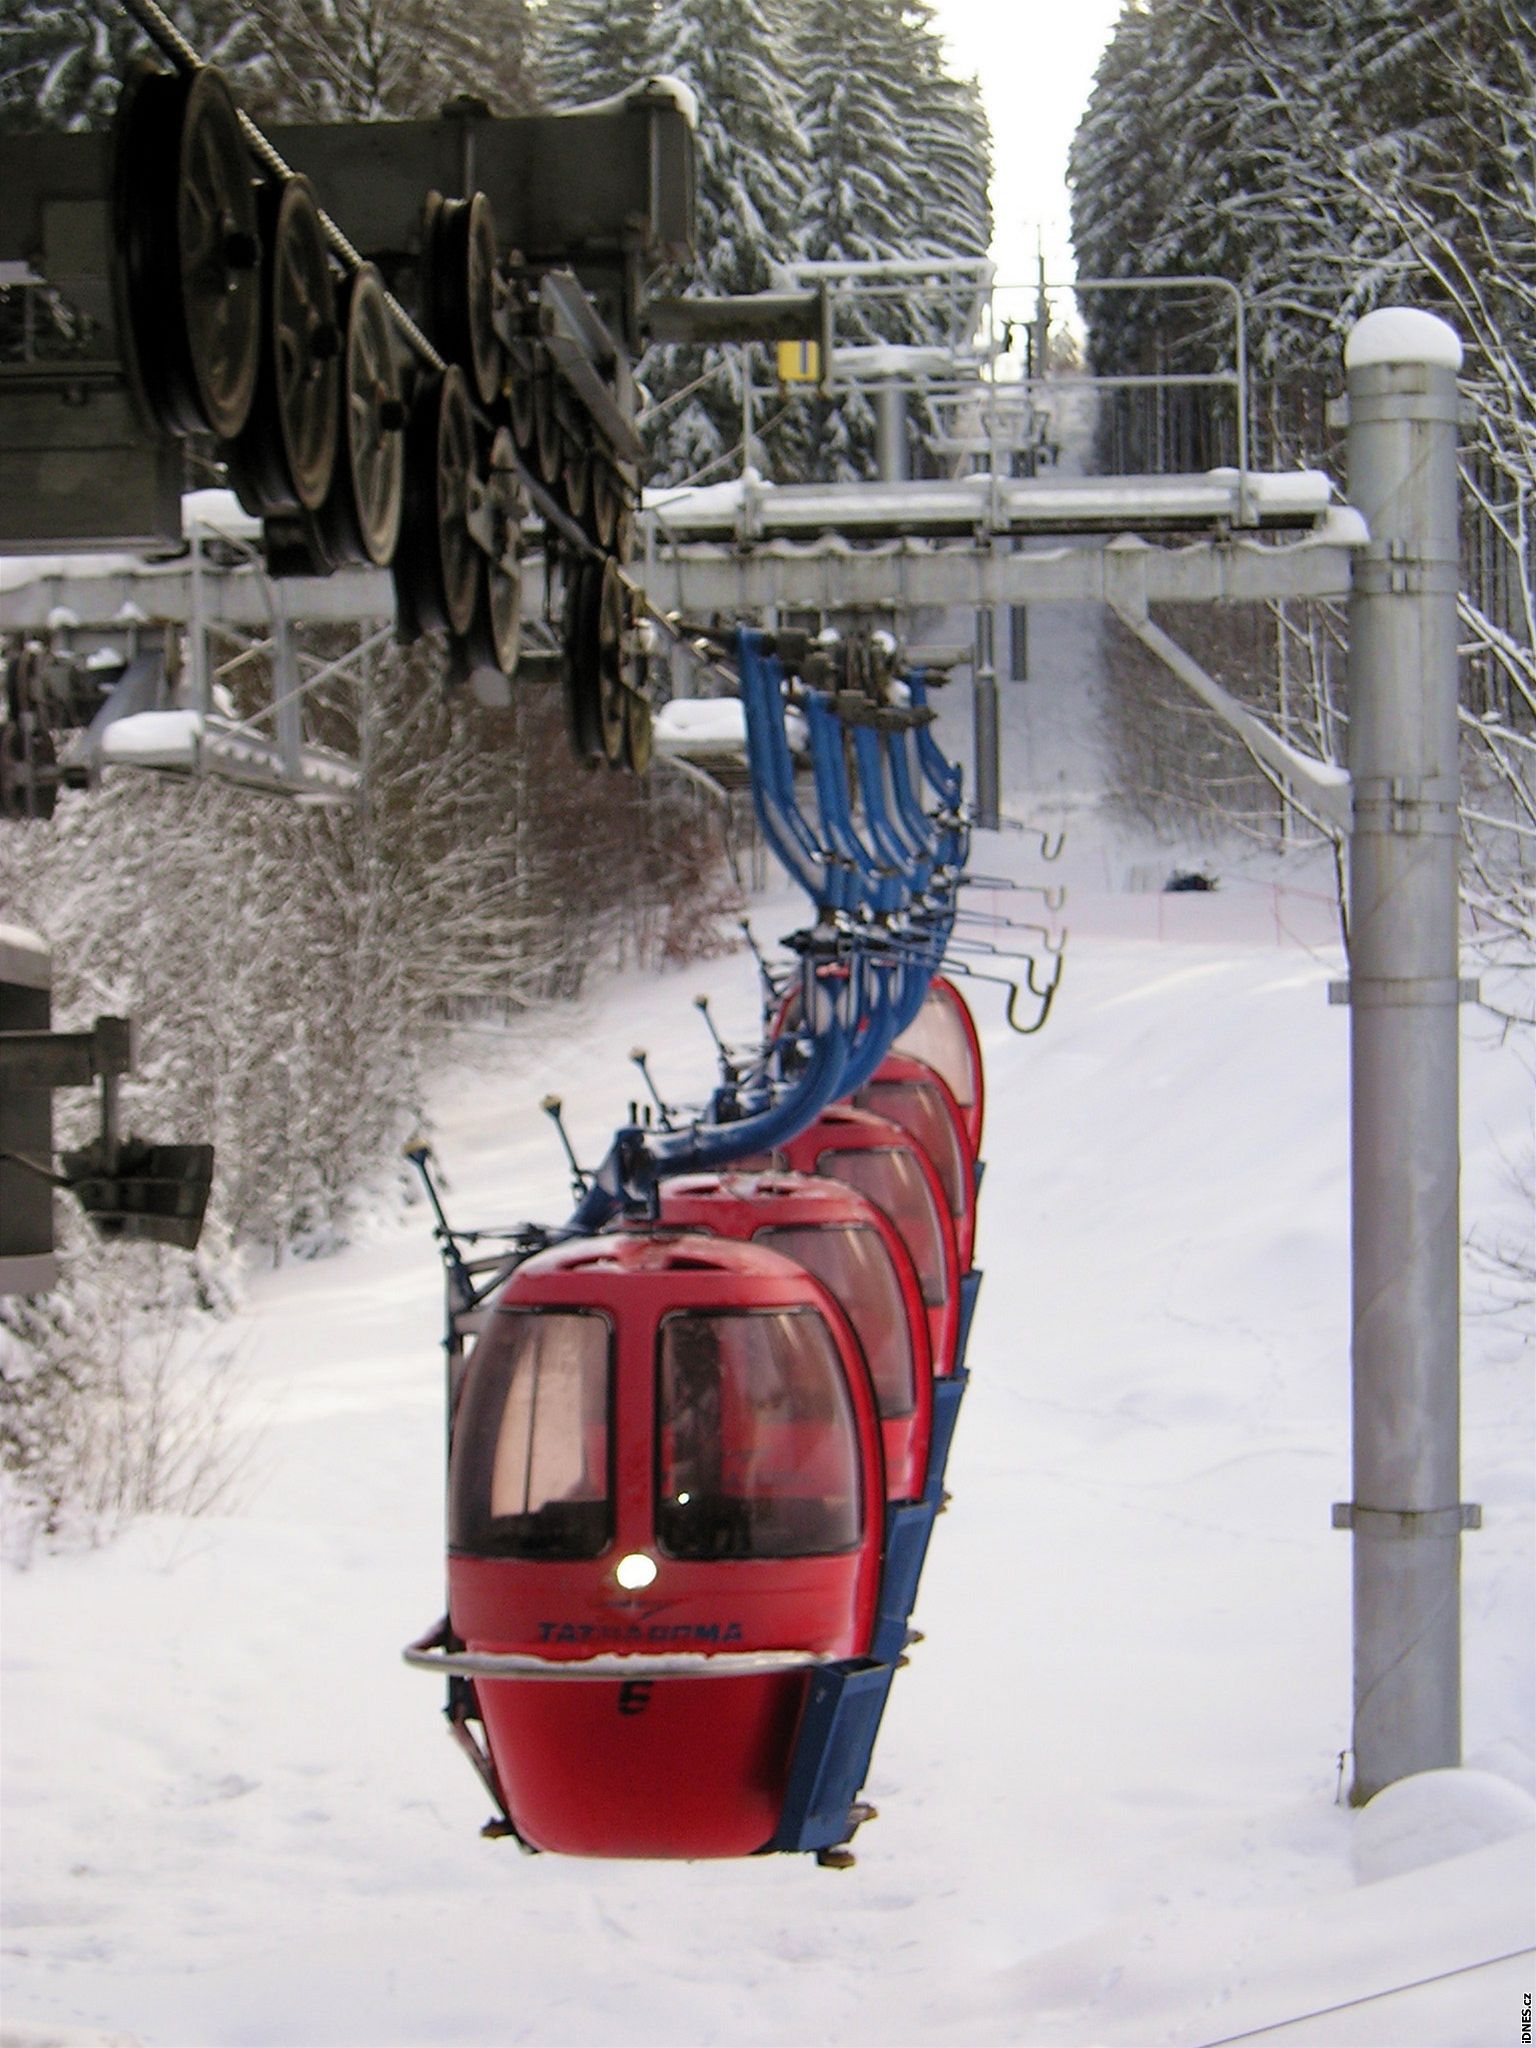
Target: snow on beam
<point>709,577</point>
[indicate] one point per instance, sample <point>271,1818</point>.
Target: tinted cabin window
<point>529,1474</point>
<point>939,1037</point>
<point>894,1182</point>
<point>919,1108</point>
<point>758,1446</point>
<point>853,1264</point>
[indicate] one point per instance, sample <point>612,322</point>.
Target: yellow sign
<point>799,362</point>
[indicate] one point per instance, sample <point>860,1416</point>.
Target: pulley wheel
<point>638,731</point>
<point>437,563</point>
<point>548,436</point>
<point>459,248</point>
<point>520,398</point>
<point>495,635</point>
<point>622,546</point>
<point>607,502</point>
<point>576,481</point>
<point>583,688</point>
<point>367,495</point>
<point>286,455</point>
<point>188,249</point>
<point>610,661</point>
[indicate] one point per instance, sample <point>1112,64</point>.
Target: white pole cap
<point>1402,334</point>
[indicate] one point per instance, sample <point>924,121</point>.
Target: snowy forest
<point>1327,159</point>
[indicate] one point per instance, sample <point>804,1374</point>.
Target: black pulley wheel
<point>286,456</point>
<point>360,519</point>
<point>459,253</point>
<point>437,563</point>
<point>583,688</point>
<point>610,667</point>
<point>187,249</point>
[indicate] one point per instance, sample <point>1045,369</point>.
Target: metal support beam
<point>1406,1516</point>
<point>1324,783</point>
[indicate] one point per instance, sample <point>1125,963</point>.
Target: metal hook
<point>1043,996</point>
<point>1052,941</point>
<point>1049,850</point>
<point>1053,899</point>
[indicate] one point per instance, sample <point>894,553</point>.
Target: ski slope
<point>1107,1782</point>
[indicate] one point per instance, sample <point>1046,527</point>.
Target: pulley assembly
<point>417,409</point>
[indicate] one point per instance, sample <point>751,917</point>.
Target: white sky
<point>1036,60</point>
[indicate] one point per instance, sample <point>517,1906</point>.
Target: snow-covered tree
<point>62,61</point>
<point>587,52</point>
<point>736,56</point>
<point>1329,159</point>
<point>363,60</point>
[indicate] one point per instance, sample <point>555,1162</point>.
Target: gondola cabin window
<point>894,1182</point>
<point>938,1038</point>
<point>919,1108</point>
<point>852,1263</point>
<point>530,1471</point>
<point>758,1446</point>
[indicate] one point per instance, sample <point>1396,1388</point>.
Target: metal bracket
<point>1407,1523</point>
<point>1390,568</point>
<point>1408,806</point>
<point>67,1059</point>
<point>1381,993</point>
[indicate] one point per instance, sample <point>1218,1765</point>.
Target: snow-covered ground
<point>1108,1782</point>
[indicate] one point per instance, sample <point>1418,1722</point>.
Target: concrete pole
<point>1406,1515</point>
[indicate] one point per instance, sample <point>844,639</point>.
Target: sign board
<point>799,362</point>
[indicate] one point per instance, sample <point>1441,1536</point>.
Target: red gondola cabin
<point>878,1158</point>
<point>851,1246</point>
<point>913,1094</point>
<point>666,1451</point>
<point>944,1034</point>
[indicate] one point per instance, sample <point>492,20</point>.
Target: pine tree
<point>586,51</point>
<point>1330,158</point>
<point>62,62</point>
<point>899,154</point>
<point>752,167</point>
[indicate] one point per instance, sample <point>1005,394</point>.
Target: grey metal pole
<point>1406,1514</point>
<point>984,720</point>
<point>891,453</point>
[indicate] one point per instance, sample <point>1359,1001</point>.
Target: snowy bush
<point>114,1392</point>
